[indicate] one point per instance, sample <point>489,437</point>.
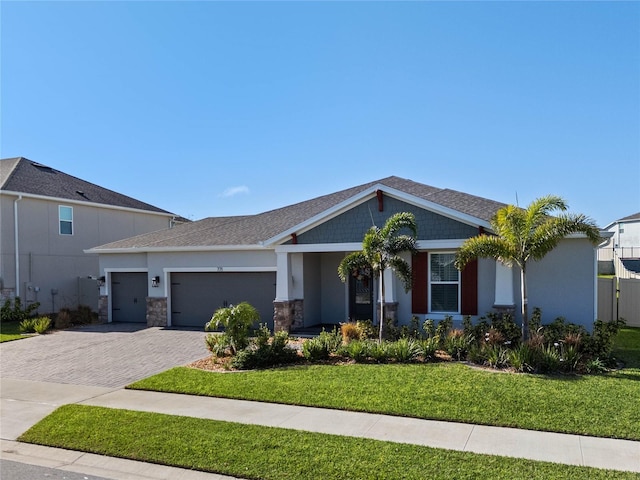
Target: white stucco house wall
<point>285,263</point>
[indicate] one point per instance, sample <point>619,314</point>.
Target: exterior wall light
<point>155,281</point>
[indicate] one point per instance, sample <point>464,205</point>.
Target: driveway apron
<point>111,355</point>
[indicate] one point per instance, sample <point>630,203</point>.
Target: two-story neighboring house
<point>47,220</point>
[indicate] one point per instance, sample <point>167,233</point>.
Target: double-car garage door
<point>196,295</point>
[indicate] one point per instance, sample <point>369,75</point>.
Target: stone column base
<point>510,309</point>
<point>103,309</point>
<point>288,314</point>
<point>391,311</point>
<point>156,311</point>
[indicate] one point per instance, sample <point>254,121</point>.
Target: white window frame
<point>60,219</point>
<point>431,282</point>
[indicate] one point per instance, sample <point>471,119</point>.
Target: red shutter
<point>419,288</point>
<point>469,278</point>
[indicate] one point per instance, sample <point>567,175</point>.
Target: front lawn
<point>10,331</point>
<point>251,451</point>
<point>605,405</point>
<point>596,405</point>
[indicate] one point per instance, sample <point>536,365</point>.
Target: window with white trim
<point>444,283</point>
<point>65,215</point>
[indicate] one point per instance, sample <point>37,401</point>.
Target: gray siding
<point>49,260</point>
<point>563,283</point>
<point>312,289</point>
<point>352,225</point>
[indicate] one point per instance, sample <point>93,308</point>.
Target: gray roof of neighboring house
<point>635,216</point>
<point>25,176</point>
<point>254,229</point>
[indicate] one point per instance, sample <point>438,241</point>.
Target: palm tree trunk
<point>381,304</point>
<point>525,301</point>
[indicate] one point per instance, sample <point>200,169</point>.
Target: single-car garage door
<point>196,295</point>
<point>129,297</point>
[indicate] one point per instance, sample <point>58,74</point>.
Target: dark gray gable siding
<point>353,224</point>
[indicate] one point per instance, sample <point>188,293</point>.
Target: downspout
<point>16,240</point>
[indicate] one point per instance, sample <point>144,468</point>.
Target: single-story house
<point>284,262</point>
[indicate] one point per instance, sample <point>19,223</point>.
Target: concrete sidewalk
<point>25,402</point>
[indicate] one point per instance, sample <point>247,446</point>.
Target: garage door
<point>129,297</point>
<point>196,295</point>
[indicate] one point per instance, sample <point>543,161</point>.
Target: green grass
<point>573,404</point>
<point>10,331</point>
<point>250,451</point>
<point>446,391</point>
<point>627,347</point>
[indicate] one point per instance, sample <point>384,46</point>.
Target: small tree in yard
<point>237,321</point>
<point>381,249</point>
<point>526,234</point>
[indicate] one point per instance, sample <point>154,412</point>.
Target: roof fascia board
<point>319,247</point>
<point>80,202</point>
<point>206,248</point>
<point>357,246</point>
<point>364,196</point>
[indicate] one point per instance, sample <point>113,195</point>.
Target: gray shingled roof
<point>635,216</point>
<point>25,176</point>
<point>254,229</point>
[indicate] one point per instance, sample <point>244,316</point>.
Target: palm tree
<point>526,234</point>
<point>381,249</point>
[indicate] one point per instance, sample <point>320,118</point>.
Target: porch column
<point>288,306</point>
<point>390,300</point>
<point>504,288</point>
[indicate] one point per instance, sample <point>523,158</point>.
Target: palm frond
<point>402,270</point>
<point>485,246</point>
<point>351,264</point>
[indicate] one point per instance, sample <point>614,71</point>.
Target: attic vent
<point>80,192</point>
<point>44,168</point>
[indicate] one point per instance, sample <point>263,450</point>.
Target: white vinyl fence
<point>619,298</point>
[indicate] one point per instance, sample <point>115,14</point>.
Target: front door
<point>361,297</point>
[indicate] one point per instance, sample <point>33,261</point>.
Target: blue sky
<point>228,108</point>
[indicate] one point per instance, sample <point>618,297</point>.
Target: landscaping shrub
<point>428,348</point>
<point>443,328</point>
<point>429,328</point>
<point>218,344</point>
<point>83,315</point>
<point>42,324</point>
<point>600,343</point>
<point>35,325</point>
<point>237,321</point>
<point>350,331</point>
<point>15,312</point>
<point>357,350</point>
<point>404,350</point>
<point>28,325</point>
<point>265,352</point>
<point>496,356</point>
<point>523,358</point>
<point>321,347</point>
<point>378,351</point>
<point>412,330</point>
<point>457,344</point>
<point>549,358</point>
<point>505,324</point>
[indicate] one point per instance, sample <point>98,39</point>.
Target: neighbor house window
<point>66,220</point>
<point>444,283</point>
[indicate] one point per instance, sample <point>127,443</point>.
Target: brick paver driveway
<point>111,355</point>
